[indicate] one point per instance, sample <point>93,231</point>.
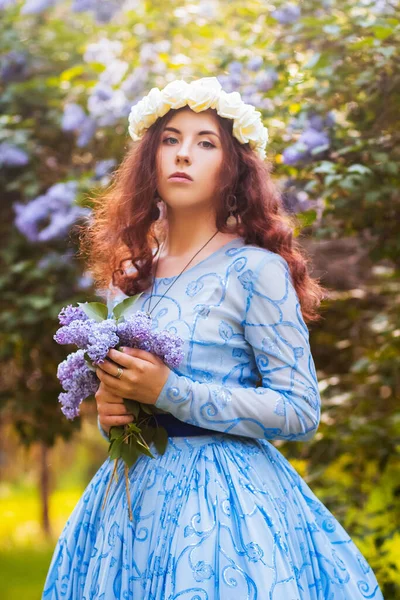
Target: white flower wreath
<point>200,95</point>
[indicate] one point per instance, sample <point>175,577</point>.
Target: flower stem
<point>128,494</point>
<point>110,482</point>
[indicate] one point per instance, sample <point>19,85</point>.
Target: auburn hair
<point>126,227</point>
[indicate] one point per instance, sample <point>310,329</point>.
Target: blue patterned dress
<point>222,516</point>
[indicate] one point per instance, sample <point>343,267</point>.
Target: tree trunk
<point>44,489</point>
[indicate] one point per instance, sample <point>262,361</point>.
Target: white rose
<point>145,113</point>
<point>135,116</point>
<point>229,105</point>
<point>203,94</point>
<point>246,126</point>
<point>174,95</point>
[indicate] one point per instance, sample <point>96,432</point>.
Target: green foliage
<point>339,58</point>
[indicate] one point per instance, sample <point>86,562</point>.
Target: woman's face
<point>186,147</point>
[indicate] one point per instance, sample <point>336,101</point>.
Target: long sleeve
<point>102,432</point>
<point>287,405</point>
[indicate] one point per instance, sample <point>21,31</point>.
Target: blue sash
<point>175,427</point>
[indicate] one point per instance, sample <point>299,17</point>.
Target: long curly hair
<point>126,226</point>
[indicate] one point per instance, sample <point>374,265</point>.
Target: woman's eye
<point>210,144</point>
<point>202,142</point>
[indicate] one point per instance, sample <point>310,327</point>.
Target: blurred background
<point>326,77</point>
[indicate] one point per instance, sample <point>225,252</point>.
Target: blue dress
<point>222,516</point>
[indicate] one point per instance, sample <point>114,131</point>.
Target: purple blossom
<point>73,118</point>
<point>76,332</point>
<point>34,7</point>
<point>11,156</point>
<point>265,80</point>
<point>55,210</point>
<point>168,346</point>
<point>71,313</point>
<point>287,14</point>
<point>313,138</point>
<point>254,63</point>
<point>135,331</point>
<point>103,167</point>
<point>78,381</point>
<point>101,338</point>
<point>14,66</point>
<point>86,132</point>
<point>5,3</point>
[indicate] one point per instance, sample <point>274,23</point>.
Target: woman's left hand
<point>143,374</point>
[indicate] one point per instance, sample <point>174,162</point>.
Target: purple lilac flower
<point>77,332</point>
<point>34,7</point>
<point>168,346</point>
<point>254,63</point>
<point>11,156</point>
<point>14,66</point>
<point>86,132</point>
<point>287,14</point>
<point>5,3</point>
<point>102,337</point>
<point>135,331</point>
<point>73,118</point>
<point>71,313</point>
<point>57,206</point>
<point>103,167</point>
<point>78,381</point>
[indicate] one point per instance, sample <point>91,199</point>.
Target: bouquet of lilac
<point>94,332</point>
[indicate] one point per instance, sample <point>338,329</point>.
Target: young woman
<point>222,514</point>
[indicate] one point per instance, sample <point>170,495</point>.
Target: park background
<point>326,77</point>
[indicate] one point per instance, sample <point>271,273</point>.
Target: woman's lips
<point>180,179</point>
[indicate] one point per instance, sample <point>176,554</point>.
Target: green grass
<point>25,553</point>
<point>23,572</point>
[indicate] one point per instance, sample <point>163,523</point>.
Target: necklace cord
<point>177,277</point>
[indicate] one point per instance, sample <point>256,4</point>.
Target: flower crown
<point>200,95</point>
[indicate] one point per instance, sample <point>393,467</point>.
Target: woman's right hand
<point>111,409</point>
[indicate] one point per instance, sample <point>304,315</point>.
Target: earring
<point>232,208</point>
<point>158,208</point>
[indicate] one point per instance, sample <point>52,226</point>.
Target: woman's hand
<point>143,375</point>
<point>111,409</point>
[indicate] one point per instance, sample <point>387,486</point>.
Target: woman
<point>222,514</point>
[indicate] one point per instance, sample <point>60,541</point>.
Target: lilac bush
<point>50,215</point>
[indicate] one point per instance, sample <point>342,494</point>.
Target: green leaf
<point>129,454</point>
<point>143,449</point>
<point>325,167</point>
<point>132,407</point>
<point>121,308</point>
<point>116,432</point>
<point>89,362</point>
<point>94,310</point>
<point>161,440</point>
<point>132,428</point>
<point>359,169</point>
<point>146,409</point>
<point>115,450</point>
<point>148,433</point>
<point>307,217</point>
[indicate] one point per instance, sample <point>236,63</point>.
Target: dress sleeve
<point>287,404</point>
<point>102,432</point>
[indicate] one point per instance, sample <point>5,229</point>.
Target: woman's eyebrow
<point>206,131</point>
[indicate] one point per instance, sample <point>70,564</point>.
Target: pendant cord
<point>177,277</point>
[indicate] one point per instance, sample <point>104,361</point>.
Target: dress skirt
<point>217,517</point>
